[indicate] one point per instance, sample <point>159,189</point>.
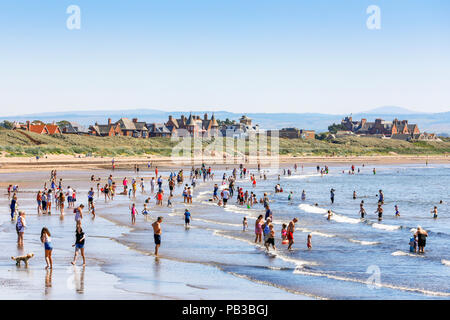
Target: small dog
<point>23,258</point>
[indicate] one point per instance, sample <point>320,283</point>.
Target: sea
<point>350,258</point>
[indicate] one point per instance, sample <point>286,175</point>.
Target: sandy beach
<point>81,162</point>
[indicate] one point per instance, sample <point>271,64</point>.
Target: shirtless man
<point>290,232</point>
<point>157,233</point>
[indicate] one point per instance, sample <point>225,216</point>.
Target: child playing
<point>284,239</point>
<point>79,245</point>
<point>244,224</point>
<point>145,211</point>
<point>133,214</point>
<point>308,242</point>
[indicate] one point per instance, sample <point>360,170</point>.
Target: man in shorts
<point>290,232</point>
<point>157,233</point>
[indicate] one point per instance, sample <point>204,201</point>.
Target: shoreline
<point>64,163</point>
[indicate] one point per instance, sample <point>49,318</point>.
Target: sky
<point>234,55</point>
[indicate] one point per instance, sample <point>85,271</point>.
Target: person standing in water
<point>157,233</point>
<point>421,239</point>
<point>381,197</point>
<point>20,228</point>
<point>379,211</point>
<point>270,240</point>
<point>258,229</point>
<point>332,195</point>
<point>435,212</point>
<point>397,212</point>
<point>308,241</point>
<point>362,211</point>
<point>290,232</point>
<point>244,224</point>
<point>133,213</point>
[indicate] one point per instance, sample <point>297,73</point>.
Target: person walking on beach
<point>79,245</point>
<point>39,202</point>
<point>90,198</point>
<point>20,228</point>
<point>290,232</point>
<point>157,233</point>
<point>49,202</point>
<point>187,218</point>
<point>47,241</point>
<point>421,235</point>
<point>13,206</point>
<point>258,229</point>
<point>78,214</point>
<point>61,201</point>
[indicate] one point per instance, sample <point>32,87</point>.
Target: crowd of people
<point>54,192</point>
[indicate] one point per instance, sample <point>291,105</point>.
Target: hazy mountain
<point>390,110</point>
<point>430,122</point>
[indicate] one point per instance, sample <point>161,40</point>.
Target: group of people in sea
<point>265,232</point>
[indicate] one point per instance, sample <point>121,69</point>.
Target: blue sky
<point>241,56</point>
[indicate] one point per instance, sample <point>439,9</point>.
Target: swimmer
<point>397,212</point>
<point>330,214</point>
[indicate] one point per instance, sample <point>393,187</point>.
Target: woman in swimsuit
<point>47,241</point>
<point>258,229</point>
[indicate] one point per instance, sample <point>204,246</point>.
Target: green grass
<point>15,144</point>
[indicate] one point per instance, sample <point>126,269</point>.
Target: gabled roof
<point>141,126</point>
<point>158,128</point>
<point>126,124</point>
<point>38,128</point>
<point>53,129</point>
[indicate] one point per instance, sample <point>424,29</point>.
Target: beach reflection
<point>78,278</point>
<point>48,282</point>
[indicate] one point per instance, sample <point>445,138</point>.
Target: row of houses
<point>193,125</point>
<point>395,129</point>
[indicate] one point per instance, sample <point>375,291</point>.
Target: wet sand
<point>116,268</point>
<point>70,162</point>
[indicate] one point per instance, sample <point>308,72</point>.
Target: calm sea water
<point>347,252</point>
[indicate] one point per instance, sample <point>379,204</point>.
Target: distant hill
<point>430,122</point>
<point>390,110</point>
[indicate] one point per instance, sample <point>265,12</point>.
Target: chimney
<point>363,122</point>
<point>206,116</point>
<point>182,117</point>
<point>109,121</point>
<point>135,120</point>
<point>28,125</point>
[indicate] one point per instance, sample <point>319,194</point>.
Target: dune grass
<point>17,144</point>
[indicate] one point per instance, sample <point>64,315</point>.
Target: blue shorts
<point>48,246</point>
<point>79,246</point>
<point>157,238</point>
